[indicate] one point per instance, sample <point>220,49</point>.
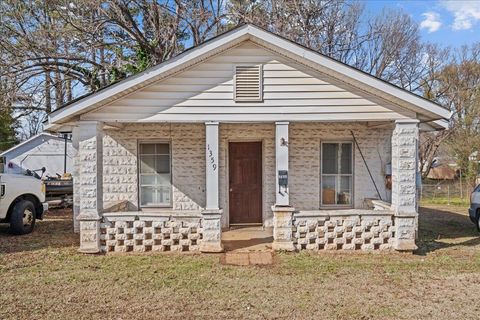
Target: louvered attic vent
<point>248,83</point>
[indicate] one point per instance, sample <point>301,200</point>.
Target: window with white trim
<point>248,83</point>
<point>337,173</point>
<point>155,178</point>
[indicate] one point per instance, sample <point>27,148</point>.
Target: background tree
<point>8,124</point>
<point>434,60</point>
<point>460,83</point>
<point>57,50</point>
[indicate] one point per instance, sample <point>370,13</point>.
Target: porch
<point>293,199</point>
<point>353,229</point>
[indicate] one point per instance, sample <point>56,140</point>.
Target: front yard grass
<point>43,277</point>
<point>454,201</point>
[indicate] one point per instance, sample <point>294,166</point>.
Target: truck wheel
<point>22,219</point>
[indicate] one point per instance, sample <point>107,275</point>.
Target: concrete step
<point>247,258</point>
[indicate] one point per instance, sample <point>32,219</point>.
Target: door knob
<point>231,189</point>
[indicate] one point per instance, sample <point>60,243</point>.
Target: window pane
<point>328,190</point>
<point>148,196</point>
<point>147,148</point>
<point>155,178</point>
<point>163,180</point>
<point>164,194</point>
<point>163,148</point>
<point>147,164</point>
<point>329,158</point>
<point>163,164</point>
<point>346,158</point>
<point>337,173</point>
<point>345,191</point>
<point>148,180</point>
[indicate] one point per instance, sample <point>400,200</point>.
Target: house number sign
<point>211,158</point>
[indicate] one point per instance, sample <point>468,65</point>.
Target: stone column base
<point>76,223</point>
<point>405,231</point>
<point>283,246</point>
<point>212,231</point>
<point>206,247</point>
<point>282,228</point>
<point>89,233</point>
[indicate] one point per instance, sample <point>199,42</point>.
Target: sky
<point>447,22</point>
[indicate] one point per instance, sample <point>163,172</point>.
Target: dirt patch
<point>55,231</point>
<point>443,226</point>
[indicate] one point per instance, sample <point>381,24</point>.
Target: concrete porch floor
<point>244,239</point>
<point>247,246</point>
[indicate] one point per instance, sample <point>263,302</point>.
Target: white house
<point>43,150</point>
<point>247,128</point>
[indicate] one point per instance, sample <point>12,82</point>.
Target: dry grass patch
<point>43,277</point>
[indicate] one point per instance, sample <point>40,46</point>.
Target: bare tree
<point>434,60</point>
<point>200,19</point>
<point>330,27</point>
<point>460,83</point>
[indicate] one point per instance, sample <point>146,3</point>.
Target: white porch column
<point>281,159</point>
<point>282,211</point>
<point>404,178</point>
<point>211,153</point>
<point>211,222</point>
<point>90,184</point>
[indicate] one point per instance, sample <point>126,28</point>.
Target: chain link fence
<point>446,192</point>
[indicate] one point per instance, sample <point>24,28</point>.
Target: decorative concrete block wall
<point>342,231</point>
<point>140,233</point>
<point>355,229</point>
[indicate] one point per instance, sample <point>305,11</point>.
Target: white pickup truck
<point>22,201</point>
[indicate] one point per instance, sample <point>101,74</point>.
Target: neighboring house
<point>443,168</point>
<point>43,150</point>
<point>247,128</point>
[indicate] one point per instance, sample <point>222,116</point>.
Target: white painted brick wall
<point>304,175</point>
<point>120,162</point>
<point>188,162</point>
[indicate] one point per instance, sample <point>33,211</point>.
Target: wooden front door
<point>245,188</point>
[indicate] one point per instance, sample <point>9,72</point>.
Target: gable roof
<point>428,110</point>
<point>42,135</point>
